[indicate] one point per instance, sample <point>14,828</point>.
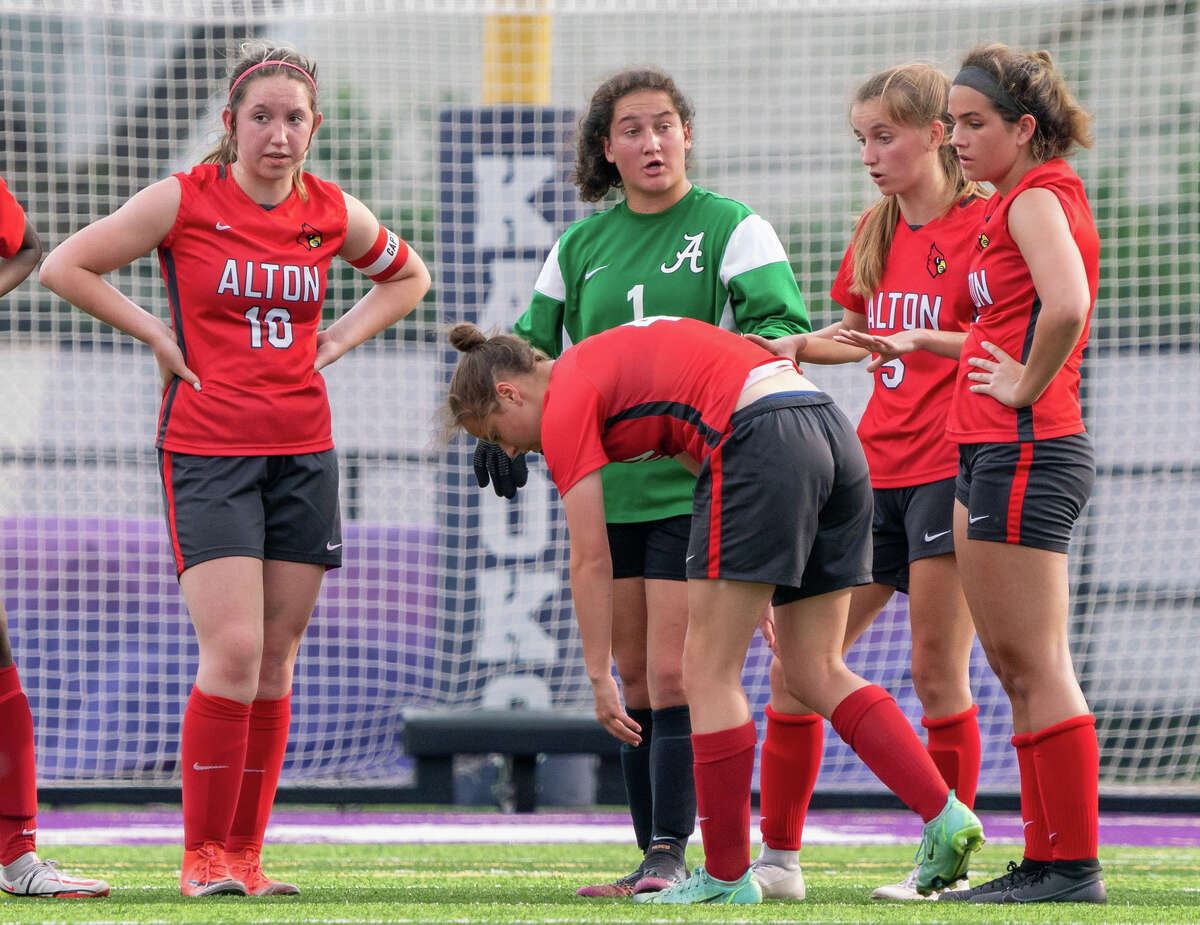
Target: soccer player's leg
<point>788,767</point>
<point>290,591</point>
<point>671,759</point>
<point>22,872</point>
<point>723,616</point>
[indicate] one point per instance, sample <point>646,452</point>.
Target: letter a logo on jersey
<point>935,263</point>
<point>309,237</point>
<point>691,253</point>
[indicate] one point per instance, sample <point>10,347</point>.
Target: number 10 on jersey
<point>278,324</point>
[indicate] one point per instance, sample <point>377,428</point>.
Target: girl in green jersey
<point>668,248</point>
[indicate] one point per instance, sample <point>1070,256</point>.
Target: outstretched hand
<point>506,474</point>
<point>885,349</point>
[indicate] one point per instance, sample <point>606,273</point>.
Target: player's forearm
<point>591,591</point>
<point>822,350</point>
<point>943,343</point>
<point>16,268</point>
<point>91,293</point>
<point>384,305</point>
<point>1054,338</point>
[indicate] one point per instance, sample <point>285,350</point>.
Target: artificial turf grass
<point>506,883</point>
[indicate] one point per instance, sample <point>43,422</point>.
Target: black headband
<point>978,79</point>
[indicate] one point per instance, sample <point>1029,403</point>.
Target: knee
<point>1017,673</point>
<point>235,658</point>
<point>664,678</point>
<point>939,690</point>
<point>782,700</point>
<point>631,667</point>
<point>700,671</point>
<point>809,675</point>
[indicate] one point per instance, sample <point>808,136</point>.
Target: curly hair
<point>594,175</point>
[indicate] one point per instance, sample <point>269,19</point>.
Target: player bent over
<point>782,514</point>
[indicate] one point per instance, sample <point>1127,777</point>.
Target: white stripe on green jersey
<point>706,257</point>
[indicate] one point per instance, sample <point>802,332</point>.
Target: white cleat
<point>906,889</point>
<point>777,881</point>
<point>31,876</point>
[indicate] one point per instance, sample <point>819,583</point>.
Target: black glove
<point>506,473</point>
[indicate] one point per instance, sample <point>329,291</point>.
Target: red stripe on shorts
<point>714,516</point>
<point>1016,494</point>
<point>169,492</point>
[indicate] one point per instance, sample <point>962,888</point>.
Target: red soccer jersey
<point>924,285</point>
<point>640,391</point>
<point>1007,307</point>
<point>245,285</point>
<point>12,223</point>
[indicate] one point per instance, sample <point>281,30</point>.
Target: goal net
<point>449,597</point>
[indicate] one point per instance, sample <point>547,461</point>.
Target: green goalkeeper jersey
<point>706,257</point>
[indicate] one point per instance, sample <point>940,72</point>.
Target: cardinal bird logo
<point>309,237</point>
<point>935,263</point>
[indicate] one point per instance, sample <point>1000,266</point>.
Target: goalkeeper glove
<point>506,473</point>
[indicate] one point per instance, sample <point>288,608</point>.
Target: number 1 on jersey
<point>634,295</point>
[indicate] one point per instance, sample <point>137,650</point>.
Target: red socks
<point>955,748</point>
<point>787,773</point>
<point>18,772</point>
<point>869,721</point>
<point>1067,759</point>
<point>1037,836</point>
<point>724,765</point>
<point>265,747</point>
<point>213,755</point>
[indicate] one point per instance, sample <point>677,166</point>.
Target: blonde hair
<point>1032,82</point>
<point>249,55</point>
<point>914,95</point>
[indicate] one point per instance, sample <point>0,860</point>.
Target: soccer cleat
<point>778,882</point>
<point>29,875</point>
<point>246,866</point>
<point>1062,882</point>
<point>702,888</point>
<point>993,891</point>
<point>205,873</point>
<point>946,846</point>
<point>663,867</point>
<point>614,890</point>
<point>906,889</point>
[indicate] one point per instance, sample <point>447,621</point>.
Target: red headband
<point>250,70</point>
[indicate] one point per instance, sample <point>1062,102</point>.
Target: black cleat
<point>663,867</point>
<point>994,890</point>
<point>1062,882</point>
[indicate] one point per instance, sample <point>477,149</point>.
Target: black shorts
<point>651,548</point>
<point>268,507</point>
<point>914,522</point>
<point>785,500</point>
<point>1027,494</point>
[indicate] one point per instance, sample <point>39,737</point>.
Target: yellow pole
<point>516,56</point>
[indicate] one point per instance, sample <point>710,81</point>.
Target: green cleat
<point>946,846</point>
<point>702,888</point>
